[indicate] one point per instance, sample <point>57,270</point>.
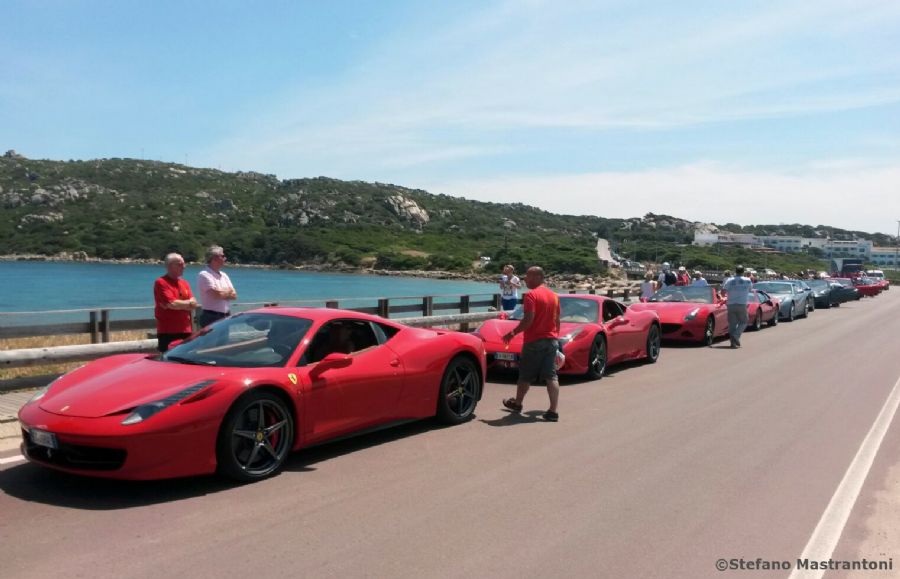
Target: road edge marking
<point>828,531</point>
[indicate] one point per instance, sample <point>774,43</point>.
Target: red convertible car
<point>241,394</point>
<point>761,309</point>
<point>688,313</point>
<point>595,332</point>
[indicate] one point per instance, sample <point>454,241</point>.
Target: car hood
<point>91,394</point>
<point>492,332</point>
<point>670,311</point>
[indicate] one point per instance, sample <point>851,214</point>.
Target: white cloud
<point>850,195</point>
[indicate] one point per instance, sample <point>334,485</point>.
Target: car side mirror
<point>617,321</point>
<point>333,360</point>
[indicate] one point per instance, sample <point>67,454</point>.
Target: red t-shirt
<point>545,305</point>
<point>165,291</point>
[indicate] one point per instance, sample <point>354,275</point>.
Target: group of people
<point>175,302</point>
<point>668,277</point>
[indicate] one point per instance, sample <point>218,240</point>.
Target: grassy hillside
<point>135,209</point>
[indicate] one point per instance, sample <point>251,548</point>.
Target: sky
<point>742,111</point>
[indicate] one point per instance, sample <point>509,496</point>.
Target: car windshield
<point>818,284</point>
<point>244,341</point>
<point>579,310</point>
<point>775,287</point>
<point>693,294</point>
<point>843,282</point>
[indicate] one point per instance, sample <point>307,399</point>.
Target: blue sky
<point>735,111</point>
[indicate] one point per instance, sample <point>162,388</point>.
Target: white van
<point>875,273</point>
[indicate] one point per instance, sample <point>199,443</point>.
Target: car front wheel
<point>255,438</point>
<point>597,358</point>
<point>654,340</point>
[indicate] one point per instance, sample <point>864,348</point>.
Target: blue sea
<point>29,287</point>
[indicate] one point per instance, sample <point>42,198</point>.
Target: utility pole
<point>897,249</point>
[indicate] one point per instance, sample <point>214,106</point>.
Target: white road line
<point>12,459</point>
<point>825,538</point>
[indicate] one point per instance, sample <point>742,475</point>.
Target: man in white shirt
<point>737,289</point>
<point>699,279</point>
<point>214,288</point>
<point>509,288</point>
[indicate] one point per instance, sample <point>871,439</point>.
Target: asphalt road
<point>653,471</point>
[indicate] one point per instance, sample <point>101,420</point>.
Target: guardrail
<point>82,352</point>
<point>100,324</point>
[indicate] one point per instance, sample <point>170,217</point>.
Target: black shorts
<point>538,361</point>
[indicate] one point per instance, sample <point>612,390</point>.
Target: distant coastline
<point>561,281</point>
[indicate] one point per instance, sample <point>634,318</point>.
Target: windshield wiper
<point>181,360</point>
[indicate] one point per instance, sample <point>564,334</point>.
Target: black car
<point>844,290</point>
<point>825,293</point>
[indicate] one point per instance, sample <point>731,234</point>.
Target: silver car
<point>794,301</point>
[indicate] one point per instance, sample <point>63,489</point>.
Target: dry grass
<point>47,341</point>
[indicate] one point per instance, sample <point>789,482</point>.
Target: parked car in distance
<point>823,293</point>
<point>847,291</point>
<point>689,313</point>
<point>793,301</point>
<point>761,309</point>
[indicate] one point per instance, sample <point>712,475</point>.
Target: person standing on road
<point>174,304</point>
<point>509,288</point>
<point>648,287</point>
<point>540,325</point>
<point>682,277</point>
<point>737,289</point>
<point>216,290</point>
<point>699,279</point>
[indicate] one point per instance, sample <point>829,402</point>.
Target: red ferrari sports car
<point>239,395</point>
<point>688,313</point>
<point>761,309</point>
<point>595,332</point>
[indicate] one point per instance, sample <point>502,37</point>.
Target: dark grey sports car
<point>794,301</point>
<point>824,293</point>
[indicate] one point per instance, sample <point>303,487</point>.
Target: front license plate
<point>506,356</point>
<point>43,438</point>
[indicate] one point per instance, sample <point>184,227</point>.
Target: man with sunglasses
<point>215,288</point>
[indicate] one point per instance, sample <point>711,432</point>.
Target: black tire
<point>255,438</point>
<point>597,358</point>
<point>810,305</point>
<point>654,343</point>
<point>757,321</point>
<point>709,332</point>
<point>459,391</point>
<point>790,317</point>
<point>774,320</point>
<point>805,313</point>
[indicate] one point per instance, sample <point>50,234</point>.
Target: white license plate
<point>43,438</point>
<point>506,356</point>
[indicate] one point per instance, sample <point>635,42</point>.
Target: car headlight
<point>692,314</point>
<point>145,411</point>
<point>570,336</point>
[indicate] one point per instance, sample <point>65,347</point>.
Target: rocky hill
<point>137,209</point>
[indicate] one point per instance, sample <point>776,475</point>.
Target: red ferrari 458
<point>761,309</point>
<point>241,394</point>
<point>595,332</point>
<point>689,313</point>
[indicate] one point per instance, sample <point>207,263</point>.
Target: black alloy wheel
<point>597,358</point>
<point>255,438</point>
<point>709,332</point>
<point>654,343</point>
<point>459,391</point>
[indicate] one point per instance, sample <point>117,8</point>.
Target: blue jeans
<point>509,303</point>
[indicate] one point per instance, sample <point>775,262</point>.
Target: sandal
<point>512,405</point>
<point>551,416</point>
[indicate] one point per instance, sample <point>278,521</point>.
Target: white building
<point>861,248</point>
<point>724,238</point>
<point>885,257</point>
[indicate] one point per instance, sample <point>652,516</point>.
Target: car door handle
<point>395,362</point>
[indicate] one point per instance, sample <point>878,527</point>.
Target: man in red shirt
<point>174,304</point>
<point>540,325</point>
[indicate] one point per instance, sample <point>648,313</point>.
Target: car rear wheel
<point>597,358</point>
<point>460,388</point>
<point>790,317</point>
<point>774,320</point>
<point>654,340</point>
<point>805,313</point>
<point>757,321</point>
<point>709,332</point>
<point>255,438</point>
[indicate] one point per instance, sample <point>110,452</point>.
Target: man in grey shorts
<point>737,289</point>
<point>540,324</point>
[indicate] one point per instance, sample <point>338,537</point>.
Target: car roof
<point>320,314</point>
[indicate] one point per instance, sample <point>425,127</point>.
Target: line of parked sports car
<point>238,396</point>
